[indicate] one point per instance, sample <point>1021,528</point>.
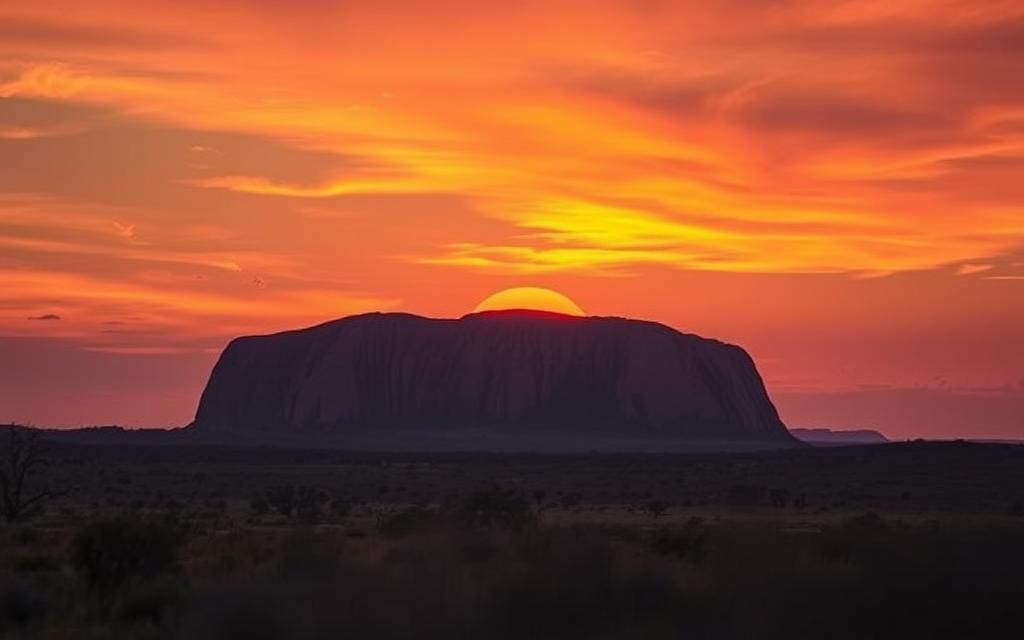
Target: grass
<point>909,542</point>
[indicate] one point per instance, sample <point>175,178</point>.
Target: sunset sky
<point>836,186</point>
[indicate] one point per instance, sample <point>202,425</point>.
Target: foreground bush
<point>497,506</point>
<point>108,553</point>
<point>448,577</point>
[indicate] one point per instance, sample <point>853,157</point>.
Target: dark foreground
<point>914,540</point>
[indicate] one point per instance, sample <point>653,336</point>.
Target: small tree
<point>21,458</point>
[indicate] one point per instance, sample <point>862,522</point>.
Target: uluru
<point>519,372</point>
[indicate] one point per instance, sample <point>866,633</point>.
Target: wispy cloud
<point>970,269</point>
<point>784,131</point>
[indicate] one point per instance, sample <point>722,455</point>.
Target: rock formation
<point>502,371</point>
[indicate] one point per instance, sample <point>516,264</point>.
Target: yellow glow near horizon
<point>531,298</point>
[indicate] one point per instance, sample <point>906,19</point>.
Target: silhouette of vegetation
<point>157,543</point>
<point>21,459</point>
<point>779,497</point>
<point>499,507</point>
<point>679,544</point>
<point>108,553</point>
<point>281,499</point>
<point>407,521</point>
<point>309,503</point>
<point>744,495</point>
<point>656,508</point>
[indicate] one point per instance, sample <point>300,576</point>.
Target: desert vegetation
<point>201,543</point>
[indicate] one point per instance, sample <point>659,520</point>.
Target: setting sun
<point>532,298</point>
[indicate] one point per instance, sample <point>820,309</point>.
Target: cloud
<point>81,34</point>
<point>770,132</point>
<point>969,269</point>
<point>46,316</point>
<point>126,231</point>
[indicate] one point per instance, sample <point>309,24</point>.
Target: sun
<point>532,298</point>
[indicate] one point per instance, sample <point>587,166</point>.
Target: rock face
<point>838,437</point>
<point>504,371</point>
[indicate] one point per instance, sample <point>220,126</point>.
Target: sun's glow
<point>532,298</point>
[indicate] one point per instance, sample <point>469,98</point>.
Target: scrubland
<point>916,540</point>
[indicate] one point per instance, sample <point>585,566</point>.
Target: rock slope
<point>505,371</point>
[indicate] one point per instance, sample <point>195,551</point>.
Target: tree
<point>20,461</point>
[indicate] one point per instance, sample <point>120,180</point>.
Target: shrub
<point>36,563</point>
<point>779,497</point>
<point>340,507</point>
<point>108,553</point>
<point>154,600</point>
<point>305,503</point>
<point>20,605</point>
<point>679,545</point>
<point>854,536</point>
<point>744,495</point>
<point>570,500</point>
<point>497,507</point>
<point>406,521</point>
<point>656,508</point>
<point>259,506</point>
<point>281,499</point>
<point>309,502</point>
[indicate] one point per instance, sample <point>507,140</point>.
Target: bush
<point>259,506</point>
<point>108,553</point>
<point>305,503</point>
<point>309,502</point>
<point>656,508</point>
<point>744,495</point>
<point>572,584</point>
<point>281,499</point>
<point>340,507</point>
<point>154,600</point>
<point>407,521</point>
<point>36,563</point>
<point>497,507</point>
<point>19,606</point>
<point>854,536</point>
<point>680,545</point>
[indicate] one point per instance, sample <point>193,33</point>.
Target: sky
<point>836,186</point>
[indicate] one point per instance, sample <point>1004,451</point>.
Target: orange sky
<point>837,186</point>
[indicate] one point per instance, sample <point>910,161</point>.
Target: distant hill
<point>519,373</point>
<point>837,437</point>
